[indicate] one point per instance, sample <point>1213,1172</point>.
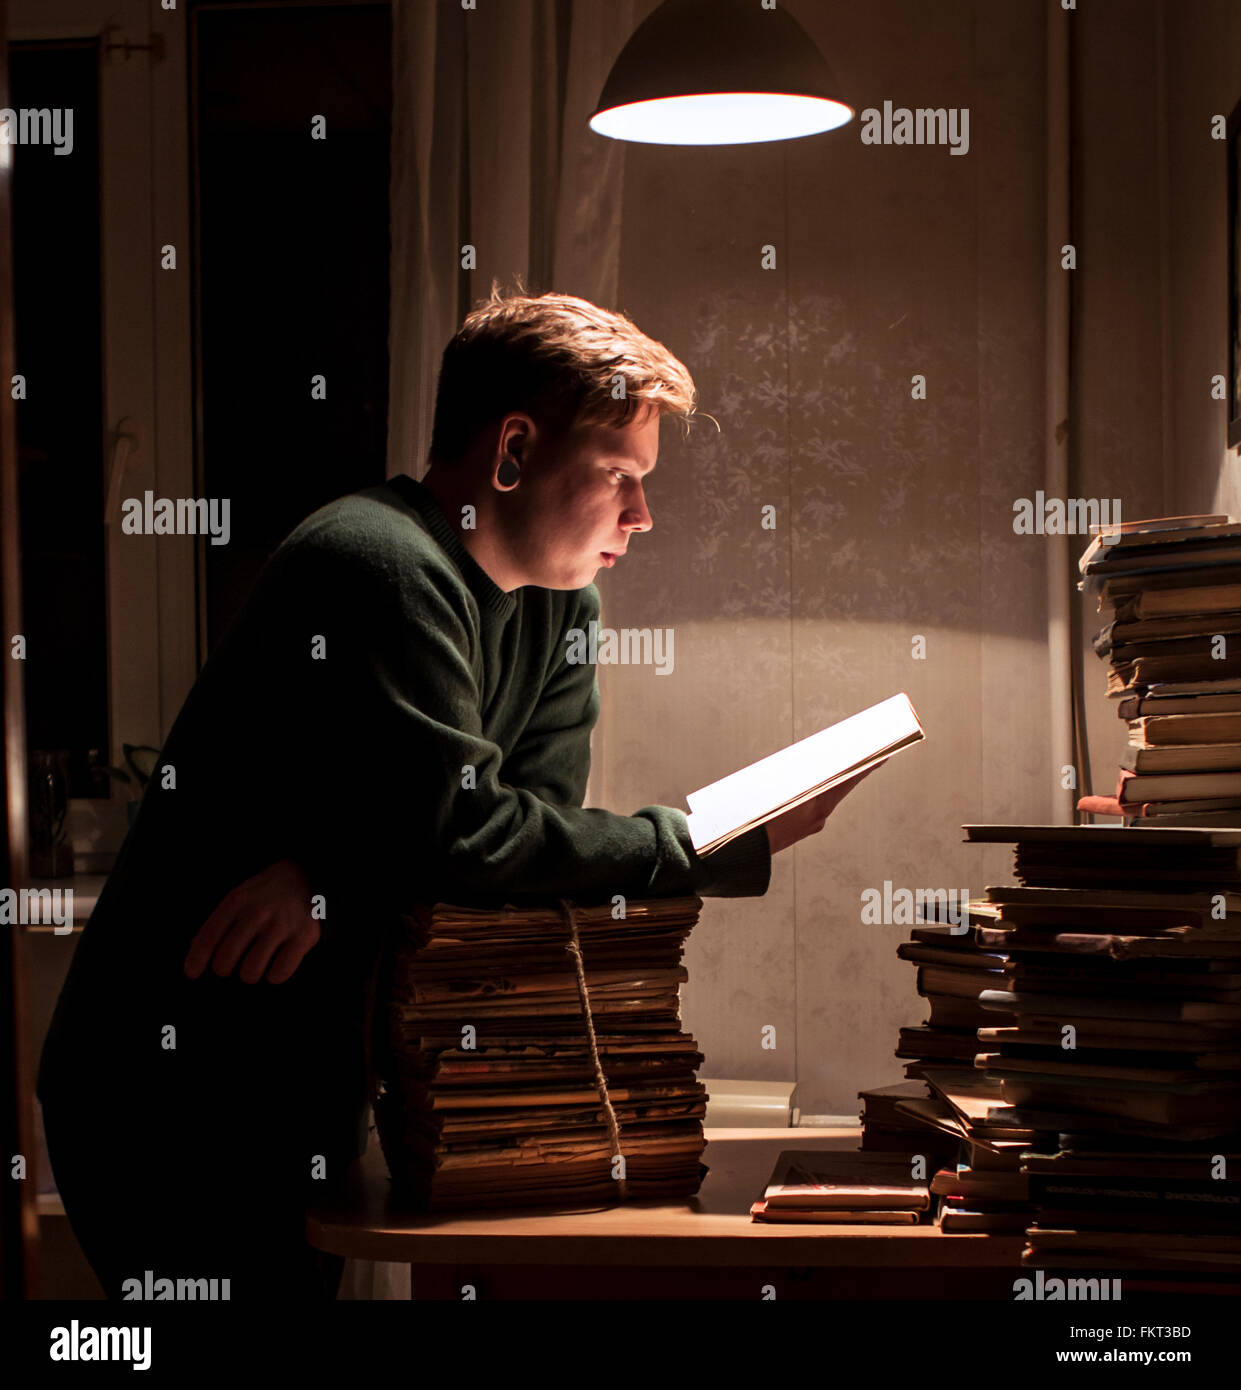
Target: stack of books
<point>962,1131</point>
<point>1124,1059</point>
<point>489,1070</point>
<point>982,1188</point>
<point>987,1192</point>
<point>938,1149</point>
<point>827,1188</point>
<point>945,1113</point>
<point>1170,592</point>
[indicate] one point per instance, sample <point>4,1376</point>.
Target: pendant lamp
<point>719,72</point>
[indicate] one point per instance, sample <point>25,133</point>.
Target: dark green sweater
<point>337,723</point>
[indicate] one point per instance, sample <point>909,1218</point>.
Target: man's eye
<point>617,473</point>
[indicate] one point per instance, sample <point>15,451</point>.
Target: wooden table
<point>705,1247</point>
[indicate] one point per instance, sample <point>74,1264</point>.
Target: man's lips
<point>611,556</point>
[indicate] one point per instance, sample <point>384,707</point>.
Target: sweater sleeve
<point>420,808</point>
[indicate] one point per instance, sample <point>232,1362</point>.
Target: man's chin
<point>577,578</point>
<point>570,582</point>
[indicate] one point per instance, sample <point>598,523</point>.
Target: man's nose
<point>638,517</point>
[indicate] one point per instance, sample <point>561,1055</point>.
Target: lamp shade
<point>718,72</point>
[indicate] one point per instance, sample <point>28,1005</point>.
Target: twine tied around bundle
<point>574,948</point>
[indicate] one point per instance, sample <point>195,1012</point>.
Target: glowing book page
<point>758,793</point>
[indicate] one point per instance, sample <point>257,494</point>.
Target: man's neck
<point>453,490</point>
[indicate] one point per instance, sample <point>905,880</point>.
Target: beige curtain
<point>491,150</point>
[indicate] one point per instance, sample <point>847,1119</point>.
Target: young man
<point>391,719</point>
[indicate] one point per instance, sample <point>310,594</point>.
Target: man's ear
<point>513,446</point>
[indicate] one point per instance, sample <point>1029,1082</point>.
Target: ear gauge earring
<point>508,474</point>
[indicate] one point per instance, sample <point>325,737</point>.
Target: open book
<point>758,793</point>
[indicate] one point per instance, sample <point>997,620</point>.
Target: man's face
<point>580,501</point>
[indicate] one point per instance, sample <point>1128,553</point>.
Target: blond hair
<point>556,358</point>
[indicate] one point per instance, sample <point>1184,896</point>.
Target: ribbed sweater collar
<point>481,585</point>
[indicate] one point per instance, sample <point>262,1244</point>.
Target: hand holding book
<point>797,788</point>
<point>811,816</point>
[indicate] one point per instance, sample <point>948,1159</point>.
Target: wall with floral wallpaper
<point>893,518</point>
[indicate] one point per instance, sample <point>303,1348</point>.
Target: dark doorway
<point>60,428</point>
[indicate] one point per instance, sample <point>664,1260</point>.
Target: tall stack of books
<point>1124,1058</point>
<point>1169,589</point>
<point>945,1114</point>
<point>489,1069</point>
<point>958,1121</point>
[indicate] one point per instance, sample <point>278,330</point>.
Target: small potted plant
<point>142,760</point>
